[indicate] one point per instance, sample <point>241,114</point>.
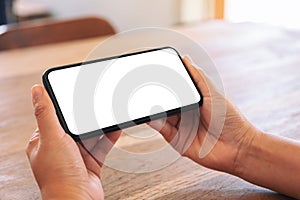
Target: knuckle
<point>31,145</point>
<point>41,111</point>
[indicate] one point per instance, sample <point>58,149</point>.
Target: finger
<point>48,124</point>
<point>89,143</point>
<point>89,161</point>
<point>114,136</point>
<point>173,120</point>
<point>198,77</point>
<point>32,145</point>
<point>167,130</point>
<point>104,145</point>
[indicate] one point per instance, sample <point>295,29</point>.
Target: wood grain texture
<point>259,66</point>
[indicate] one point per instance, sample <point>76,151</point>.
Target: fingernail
<point>37,92</point>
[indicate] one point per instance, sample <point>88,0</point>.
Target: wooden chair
<point>31,34</point>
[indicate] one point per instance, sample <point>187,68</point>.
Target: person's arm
<point>272,162</point>
<point>239,149</point>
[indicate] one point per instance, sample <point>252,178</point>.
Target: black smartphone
<point>100,96</point>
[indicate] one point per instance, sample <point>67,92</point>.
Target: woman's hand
<point>237,147</point>
<point>235,135</point>
<point>62,168</point>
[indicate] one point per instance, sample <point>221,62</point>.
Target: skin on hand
<point>237,132</point>
<point>240,147</point>
<point>65,170</point>
<point>62,168</point>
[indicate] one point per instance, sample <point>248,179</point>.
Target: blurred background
<point>127,14</point>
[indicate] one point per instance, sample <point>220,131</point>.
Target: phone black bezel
<point>123,125</point>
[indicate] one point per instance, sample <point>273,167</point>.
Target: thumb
<point>47,121</point>
<point>199,77</point>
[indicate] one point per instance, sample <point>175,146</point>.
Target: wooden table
<point>260,68</point>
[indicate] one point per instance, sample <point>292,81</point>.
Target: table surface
<point>259,66</point>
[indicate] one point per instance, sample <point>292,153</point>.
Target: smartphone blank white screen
<point>101,94</point>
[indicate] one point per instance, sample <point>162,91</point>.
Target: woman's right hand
<point>231,144</point>
<point>230,140</point>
